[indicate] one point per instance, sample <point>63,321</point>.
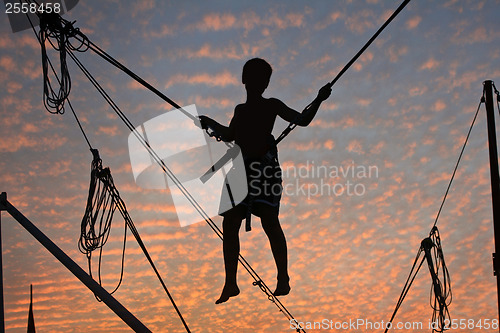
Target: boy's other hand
<point>204,121</point>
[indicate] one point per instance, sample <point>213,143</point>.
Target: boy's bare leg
<point>231,248</point>
<point>272,227</point>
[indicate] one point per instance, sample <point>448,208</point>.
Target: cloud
<point>395,52</point>
<point>418,91</point>
<point>165,30</point>
<point>366,58</point>
<point>360,21</point>
<point>7,62</point>
<point>17,142</point>
<point>222,79</point>
<point>14,87</point>
<point>217,21</point>
<point>249,20</point>
<point>413,22</point>
<point>332,18</point>
<point>355,146</point>
<point>439,105</point>
<point>430,64</point>
<point>209,51</point>
<point>350,247</point>
<point>364,102</point>
<point>329,144</point>
<point>203,103</point>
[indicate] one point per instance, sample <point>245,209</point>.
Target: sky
<point>402,112</point>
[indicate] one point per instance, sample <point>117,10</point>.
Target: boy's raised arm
<point>305,118</point>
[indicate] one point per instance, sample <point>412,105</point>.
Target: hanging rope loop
<point>58,33</point>
<point>99,213</point>
<point>441,296</point>
<point>103,200</point>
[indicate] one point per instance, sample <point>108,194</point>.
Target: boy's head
<point>256,74</point>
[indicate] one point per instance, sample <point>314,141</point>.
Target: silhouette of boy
<point>251,128</point>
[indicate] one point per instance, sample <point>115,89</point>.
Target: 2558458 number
<point>32,8</point>
<point>471,324</point>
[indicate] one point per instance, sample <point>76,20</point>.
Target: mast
<point>495,180</point>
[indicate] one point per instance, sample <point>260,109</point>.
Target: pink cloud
<point>15,143</point>
<point>430,64</point>
<point>396,51</point>
<point>355,146</point>
<point>109,130</point>
<point>7,63</point>
<point>360,21</point>
<point>329,144</point>
<point>413,22</point>
<point>439,105</point>
<point>222,79</point>
<point>217,21</point>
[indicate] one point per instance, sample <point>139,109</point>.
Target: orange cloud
<point>439,105</point>
<point>413,22</point>
<point>217,21</point>
<point>217,80</point>
<point>355,146</point>
<point>430,64</point>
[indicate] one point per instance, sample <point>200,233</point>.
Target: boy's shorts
<point>264,182</point>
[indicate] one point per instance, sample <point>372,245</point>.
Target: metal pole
<point>2,315</point>
<point>495,180</point>
<point>99,291</point>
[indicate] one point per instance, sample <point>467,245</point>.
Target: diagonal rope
<point>458,161</point>
<point>409,281</point>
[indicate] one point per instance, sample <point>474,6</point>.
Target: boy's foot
<point>282,288</point>
<point>228,292</point>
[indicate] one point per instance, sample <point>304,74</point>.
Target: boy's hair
<point>256,70</point>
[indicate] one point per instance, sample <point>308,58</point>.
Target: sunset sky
<point>402,111</point>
